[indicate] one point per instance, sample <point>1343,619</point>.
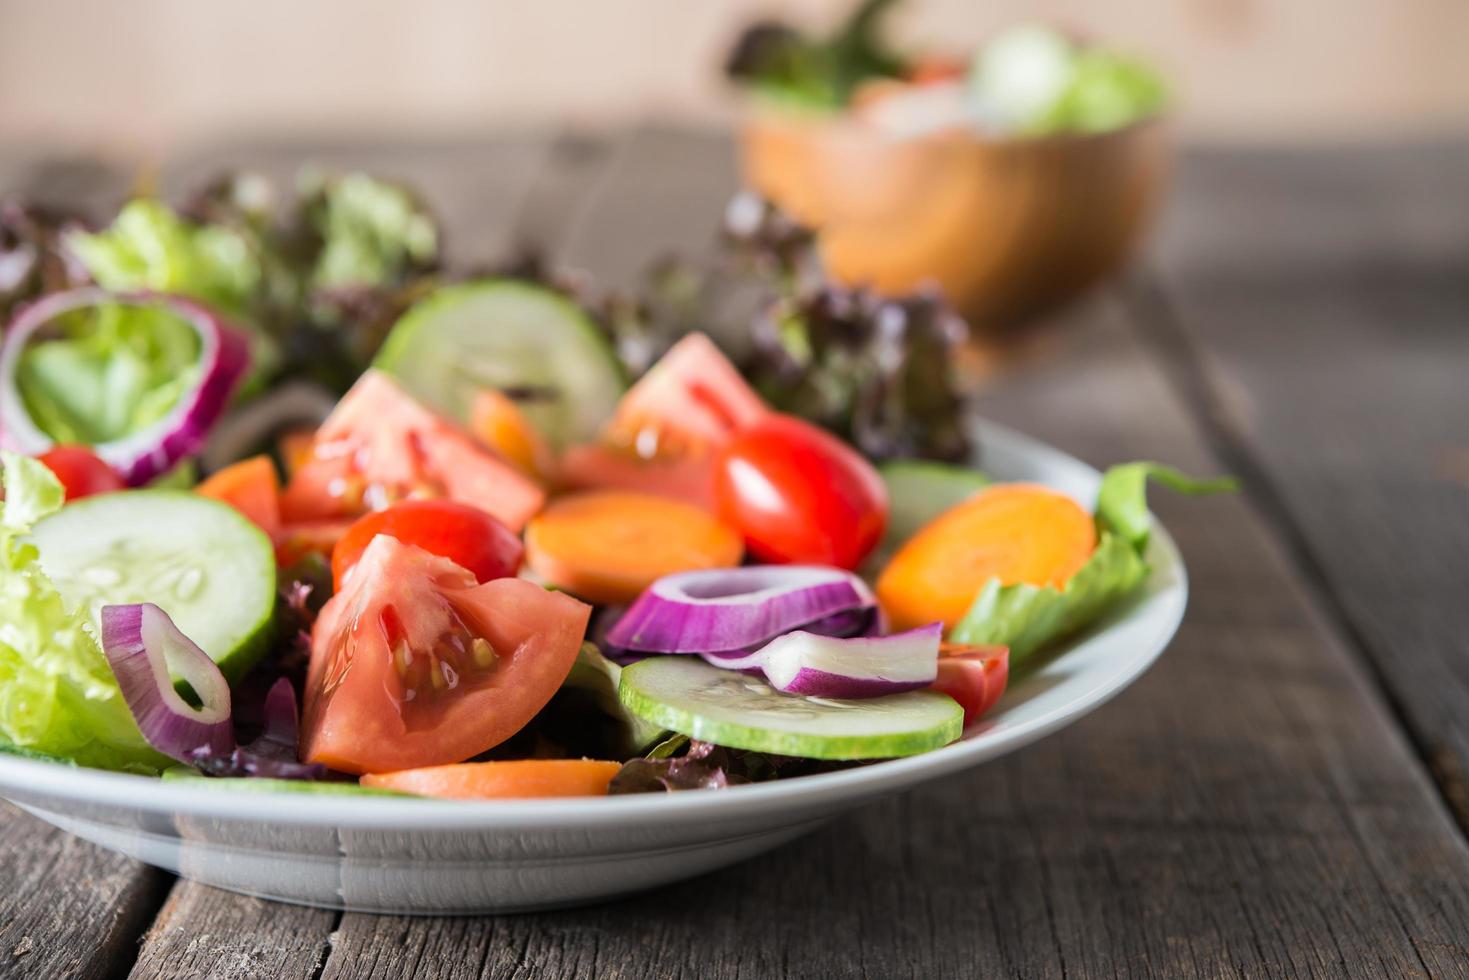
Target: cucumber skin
<point>404,332</point>
<point>792,744</point>
<point>257,643</point>
<point>251,784</point>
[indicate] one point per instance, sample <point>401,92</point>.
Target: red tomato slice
<point>465,535</point>
<point>379,446</point>
<point>692,400</point>
<point>415,664</point>
<point>800,494</point>
<point>81,472</point>
<point>975,676</point>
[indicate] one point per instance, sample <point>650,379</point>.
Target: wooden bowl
<point>1006,227</point>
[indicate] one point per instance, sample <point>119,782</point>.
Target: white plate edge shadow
<point>1160,608</point>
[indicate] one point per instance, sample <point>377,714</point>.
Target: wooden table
<point>1284,794</point>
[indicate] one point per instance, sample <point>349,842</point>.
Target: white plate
<point>433,857</point>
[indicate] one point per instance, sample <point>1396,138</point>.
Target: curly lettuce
<point>1027,618</point>
<point>372,232</point>
<point>149,246</point>
<point>58,696</point>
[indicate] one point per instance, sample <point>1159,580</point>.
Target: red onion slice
<point>855,667</point>
<point>735,609</point>
<point>863,621</point>
<point>224,356</point>
<point>142,644</point>
<point>273,754</point>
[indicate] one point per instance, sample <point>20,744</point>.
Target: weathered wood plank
<point>1248,808</point>
<point>203,932</point>
<point>1316,306</point>
<point>68,908</point>
<point>662,193</point>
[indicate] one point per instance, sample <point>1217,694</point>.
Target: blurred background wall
<point>133,75</point>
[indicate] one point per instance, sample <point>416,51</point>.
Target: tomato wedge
<point>81,471</point>
<point>465,535</point>
<point>415,664</point>
<point>975,676</point>
<point>379,446</point>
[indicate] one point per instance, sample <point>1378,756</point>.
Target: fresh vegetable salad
<point>288,507</point>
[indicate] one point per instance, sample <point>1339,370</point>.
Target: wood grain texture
<point>202,932</point>
<point>1325,327</point>
<point>1247,809</point>
<point>68,908</point>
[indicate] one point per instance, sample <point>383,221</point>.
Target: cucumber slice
<point>507,334</point>
<point>686,695</point>
<point>920,490</point>
<point>252,784</point>
<point>208,567</point>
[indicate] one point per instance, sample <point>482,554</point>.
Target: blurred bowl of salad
<point>1013,180</point>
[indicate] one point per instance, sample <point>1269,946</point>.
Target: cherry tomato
<point>799,494</point>
<point>80,471</point>
<point>465,535</point>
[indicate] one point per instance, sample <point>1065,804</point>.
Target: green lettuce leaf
<point>148,246</point>
<point>115,369</point>
<point>1036,81</point>
<point>1122,501</point>
<point>372,232</point>
<point>58,696</point>
<point>594,674</point>
<point>1027,618</point>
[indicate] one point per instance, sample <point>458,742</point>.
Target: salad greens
<point>33,260</point>
<point>879,372</point>
<point>783,65</point>
<point>372,233</point>
<point>57,694</point>
<point>148,246</point>
<point>1027,618</point>
<point>1029,80</point>
<point>114,370</point>
<point>1036,81</point>
<point>319,282</point>
<point>316,283</point>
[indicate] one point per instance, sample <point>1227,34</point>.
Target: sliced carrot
<point>607,546</point>
<point>1016,532</point>
<point>251,487</point>
<point>516,779</point>
<point>496,421</point>
<point>295,447</point>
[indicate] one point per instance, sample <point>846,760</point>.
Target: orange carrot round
<point>1016,532</point>
<point>496,421</point>
<point>607,546</point>
<point>516,779</point>
<point>250,487</point>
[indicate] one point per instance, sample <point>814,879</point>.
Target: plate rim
<point>30,778</point>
